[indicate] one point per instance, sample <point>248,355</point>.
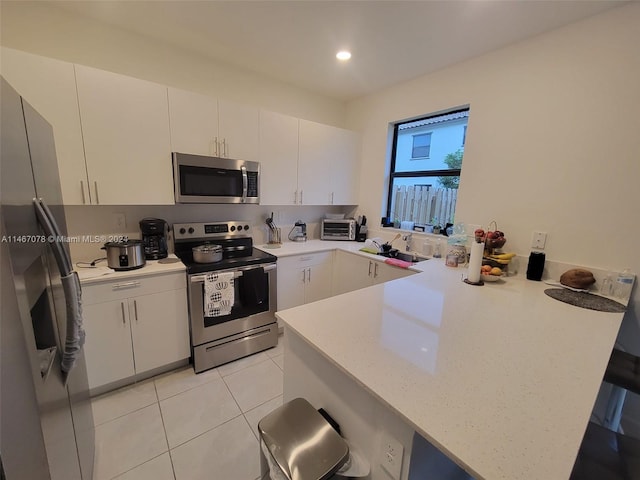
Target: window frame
<point>417,173</point>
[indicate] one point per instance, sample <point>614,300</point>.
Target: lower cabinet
<point>134,326</point>
<point>353,272</point>
<point>304,279</point>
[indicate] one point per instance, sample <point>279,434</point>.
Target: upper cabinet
<point>306,163</point>
<point>194,123</point>
<point>238,128</point>
<point>125,126</point>
<point>327,165</point>
<point>278,159</point>
<point>50,87</point>
<point>202,125</point>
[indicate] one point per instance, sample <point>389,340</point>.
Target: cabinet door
<point>194,122</point>
<point>239,130</point>
<point>278,159</point>
<point>107,347</point>
<point>315,163</point>
<point>291,283</point>
<point>125,125</point>
<point>159,329</point>
<point>318,282</point>
<point>345,169</point>
<point>50,87</point>
<point>351,272</point>
<point>384,273</point>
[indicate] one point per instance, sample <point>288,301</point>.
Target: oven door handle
<point>237,273</point>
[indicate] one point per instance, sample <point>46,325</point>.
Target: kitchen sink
<point>407,257</point>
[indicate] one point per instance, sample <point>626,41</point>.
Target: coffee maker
<point>154,238</point>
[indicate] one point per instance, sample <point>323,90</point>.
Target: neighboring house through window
<point>425,168</point>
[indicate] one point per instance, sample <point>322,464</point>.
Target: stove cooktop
<point>233,236</point>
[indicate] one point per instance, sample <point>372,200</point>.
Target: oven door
<point>254,304</point>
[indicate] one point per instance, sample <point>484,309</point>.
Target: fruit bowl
<point>492,243</point>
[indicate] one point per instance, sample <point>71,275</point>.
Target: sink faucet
<point>407,238</point>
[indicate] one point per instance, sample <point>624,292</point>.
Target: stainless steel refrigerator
<point>46,421</point>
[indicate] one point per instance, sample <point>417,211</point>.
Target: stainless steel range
<point>232,302</point>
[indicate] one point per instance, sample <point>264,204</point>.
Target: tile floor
<point>183,426</point>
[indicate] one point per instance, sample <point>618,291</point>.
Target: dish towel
<point>219,294</point>
<point>398,263</point>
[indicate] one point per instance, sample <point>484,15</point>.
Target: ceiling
<point>296,41</point>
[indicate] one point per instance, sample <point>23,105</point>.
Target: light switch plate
<point>391,452</point>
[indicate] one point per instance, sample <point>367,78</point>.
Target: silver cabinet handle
<point>97,196</point>
<point>304,276</point>
<point>215,142</point>
<point>295,197</point>
<point>225,152</point>
<point>300,197</point>
<point>375,270</point>
<point>124,322</point>
<point>135,309</point>
<point>309,271</point>
<point>370,267</point>
<point>84,200</point>
<point>125,285</point>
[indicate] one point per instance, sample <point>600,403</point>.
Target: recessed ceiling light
<point>343,55</point>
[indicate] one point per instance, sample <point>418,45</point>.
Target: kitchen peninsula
<point>501,378</point>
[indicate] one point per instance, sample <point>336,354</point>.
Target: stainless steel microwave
<point>202,179</point>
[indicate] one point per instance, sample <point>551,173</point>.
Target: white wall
<point>552,143</point>
<point>43,29</point>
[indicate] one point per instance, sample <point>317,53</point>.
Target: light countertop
<point>501,378</point>
<point>102,273</point>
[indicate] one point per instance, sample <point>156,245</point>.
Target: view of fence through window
<point>425,168</point>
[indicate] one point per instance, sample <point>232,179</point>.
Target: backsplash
<point>103,220</point>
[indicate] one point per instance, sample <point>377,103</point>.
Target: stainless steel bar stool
<point>300,443</point>
<point>606,454</point>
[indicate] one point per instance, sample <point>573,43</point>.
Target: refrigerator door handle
<point>75,335</point>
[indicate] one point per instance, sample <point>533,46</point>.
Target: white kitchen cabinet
<point>49,86</point>
<point>278,159</point>
<point>134,326</point>
<point>239,131</point>
<point>125,127</point>
<point>327,165</point>
<point>194,122</point>
<point>353,272</point>
<point>203,125</point>
<point>304,279</point>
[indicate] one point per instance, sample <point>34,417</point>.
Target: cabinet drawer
<point>132,287</point>
<point>301,261</point>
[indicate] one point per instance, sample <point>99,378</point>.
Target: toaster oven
<point>342,229</point>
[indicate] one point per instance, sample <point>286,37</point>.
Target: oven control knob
<point>191,230</point>
<point>233,229</point>
<point>182,231</point>
<point>246,227</point>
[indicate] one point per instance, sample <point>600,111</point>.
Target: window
<point>425,168</point>
<point>421,145</point>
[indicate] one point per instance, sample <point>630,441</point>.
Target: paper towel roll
<point>475,262</point>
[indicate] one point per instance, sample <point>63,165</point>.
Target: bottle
<point>607,286</point>
<point>624,282</point>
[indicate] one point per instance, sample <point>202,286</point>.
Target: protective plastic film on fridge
<point>46,428</point>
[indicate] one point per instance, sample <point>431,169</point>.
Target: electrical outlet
<point>539,239</point>
<point>391,453</point>
<point>119,221</point>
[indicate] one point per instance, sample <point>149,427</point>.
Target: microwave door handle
<point>244,183</point>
